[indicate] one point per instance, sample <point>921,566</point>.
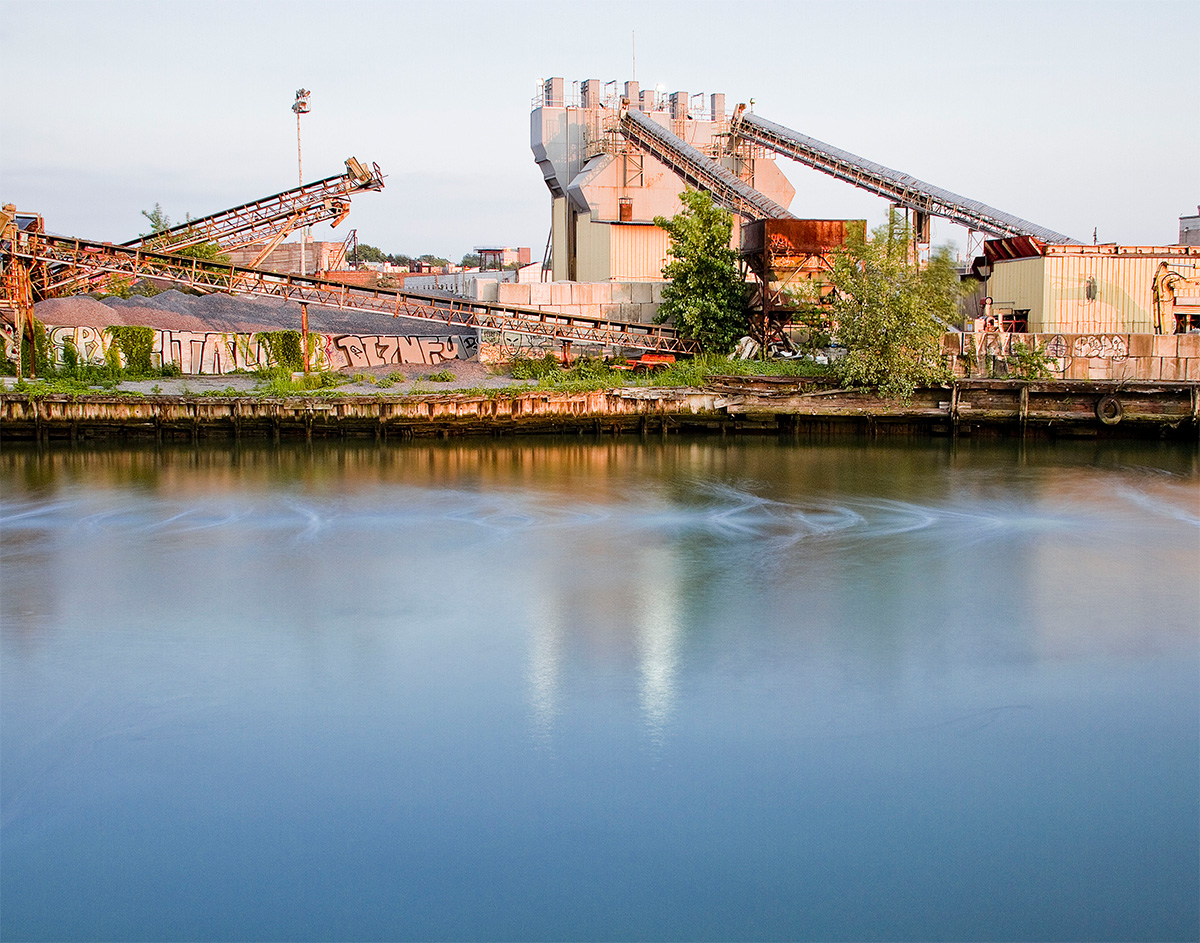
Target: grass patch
<point>588,375</point>
<point>277,381</point>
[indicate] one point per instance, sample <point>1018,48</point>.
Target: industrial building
<point>1041,288</point>
<point>606,190</point>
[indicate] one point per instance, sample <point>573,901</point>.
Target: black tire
<point>1109,410</point>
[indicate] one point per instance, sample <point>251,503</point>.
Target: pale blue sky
<point>1075,115</point>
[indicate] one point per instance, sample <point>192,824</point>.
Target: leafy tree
<point>160,222</point>
<point>368,253</point>
<point>706,296</point>
<point>470,260</point>
<point>890,312</point>
<point>434,259</point>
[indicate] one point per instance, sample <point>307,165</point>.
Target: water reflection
<point>600,689</point>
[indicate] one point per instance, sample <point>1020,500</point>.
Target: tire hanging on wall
<point>1109,410</point>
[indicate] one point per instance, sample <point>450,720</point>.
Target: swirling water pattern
<point>551,690</point>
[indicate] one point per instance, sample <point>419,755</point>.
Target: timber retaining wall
<point>729,405</point>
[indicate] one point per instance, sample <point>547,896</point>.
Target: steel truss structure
<point>57,263</point>
<point>695,168</point>
<point>272,218</point>
<point>883,181</point>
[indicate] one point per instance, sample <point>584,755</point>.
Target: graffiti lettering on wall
<point>216,352</point>
<point>1103,346</point>
<point>379,351</point>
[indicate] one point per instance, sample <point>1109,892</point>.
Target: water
<point>601,689</point>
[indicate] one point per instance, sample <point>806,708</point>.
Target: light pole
<point>300,107</point>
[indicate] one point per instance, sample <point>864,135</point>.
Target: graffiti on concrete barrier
<point>1058,354</point>
<point>379,351</point>
<point>1103,346</point>
<point>215,352</point>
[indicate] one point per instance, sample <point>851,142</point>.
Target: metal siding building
<point>636,253</point>
<point>1076,289</point>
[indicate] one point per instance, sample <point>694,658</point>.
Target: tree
<point>470,260</point>
<point>160,222</point>
<point>368,253</point>
<point>890,312</point>
<point>706,295</point>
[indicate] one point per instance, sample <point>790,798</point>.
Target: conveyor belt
<point>65,262</point>
<point>892,184</point>
<point>271,218</point>
<point>695,168</point>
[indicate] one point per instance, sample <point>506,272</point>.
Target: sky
<point>1081,116</point>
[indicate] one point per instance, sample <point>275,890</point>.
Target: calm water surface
<point>580,689</point>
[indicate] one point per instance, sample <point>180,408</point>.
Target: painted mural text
<point>213,352</point>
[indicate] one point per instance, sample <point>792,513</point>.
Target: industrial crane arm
<point>891,184</point>
<point>695,168</point>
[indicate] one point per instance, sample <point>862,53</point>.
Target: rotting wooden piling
<point>729,405</point>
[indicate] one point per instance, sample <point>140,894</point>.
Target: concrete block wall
<point>636,302</point>
<point>1081,356</point>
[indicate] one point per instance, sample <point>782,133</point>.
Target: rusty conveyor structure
<point>58,263</point>
<point>268,221</point>
<point>696,169</point>
<point>883,181</point>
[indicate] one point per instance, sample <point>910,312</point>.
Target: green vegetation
<point>136,344</point>
<point>160,222</point>
<point>442,376</point>
<point>284,349</point>
<point>366,253</point>
<point>891,312</point>
<point>584,375</point>
<point>706,297</point>
<point>1029,363</point>
<point>278,381</point>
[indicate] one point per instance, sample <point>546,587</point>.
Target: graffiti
<point>501,346</point>
<point>1112,347</point>
<point>214,352</point>
<point>380,351</point>
<point>1058,355</point>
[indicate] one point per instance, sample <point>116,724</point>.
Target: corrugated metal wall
<point>1085,293</point>
<point>1020,285</point>
<point>1101,294</point>
<point>637,253</point>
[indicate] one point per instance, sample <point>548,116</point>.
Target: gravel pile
<point>175,311</point>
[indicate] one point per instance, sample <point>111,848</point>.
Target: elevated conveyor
<point>883,181</point>
<point>64,262</point>
<point>270,219</point>
<point>696,169</point>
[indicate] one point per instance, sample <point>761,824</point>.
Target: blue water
<point>601,689</point>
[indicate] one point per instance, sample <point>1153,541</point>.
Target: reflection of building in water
<point>621,613</point>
